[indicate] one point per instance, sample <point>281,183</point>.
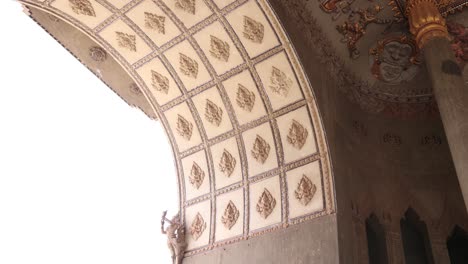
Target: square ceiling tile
<point>223,3</point>
<point>90,13</point>
<point>227,163</point>
<point>279,81</point>
<point>253,28</point>
<point>198,225</point>
<point>188,65</point>
<point>212,112</point>
<point>265,203</point>
<point>159,81</point>
<point>196,175</point>
<point>190,12</point>
<point>305,190</point>
<point>260,148</point>
<point>229,215</point>
<point>126,41</point>
<point>297,134</point>
<point>218,48</point>
<point>154,22</point>
<point>183,127</point>
<point>119,3</point>
<point>244,97</point>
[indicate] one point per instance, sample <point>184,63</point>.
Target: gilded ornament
<point>159,82</point>
<point>219,49</point>
<point>305,190</point>
<point>266,204</point>
<point>227,163</point>
<point>213,113</point>
<point>82,7</point>
<point>197,175</point>
<point>253,30</point>
<point>261,150</point>
<point>297,135</point>
<point>188,66</point>
<point>245,98</point>
<point>230,216</point>
<point>336,7</point>
<point>184,127</point>
<point>97,54</point>
<point>280,82</point>
<point>127,41</point>
<point>155,22</point>
<point>198,227</point>
<point>186,5</point>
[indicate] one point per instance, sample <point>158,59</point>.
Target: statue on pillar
<point>175,237</point>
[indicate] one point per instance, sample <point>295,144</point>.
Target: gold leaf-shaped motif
<point>280,82</point>
<point>219,49</point>
<point>305,190</point>
<point>197,175</point>
<point>297,135</point>
<point>155,22</point>
<point>126,41</point>
<point>82,7</point>
<point>186,5</point>
<point>245,98</point>
<point>188,66</point>
<point>198,227</point>
<point>231,214</point>
<point>184,127</point>
<point>227,163</point>
<point>253,30</point>
<point>266,204</point>
<point>159,82</point>
<point>213,113</point>
<point>261,150</point>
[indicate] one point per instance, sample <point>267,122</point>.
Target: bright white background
<point>83,177</point>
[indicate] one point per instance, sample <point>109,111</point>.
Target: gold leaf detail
<point>261,150</point>
<point>227,163</point>
<point>82,7</point>
<point>219,49</point>
<point>305,190</point>
<point>197,175</point>
<point>231,214</point>
<point>253,30</point>
<point>280,83</point>
<point>159,82</point>
<point>198,227</point>
<point>188,66</point>
<point>184,127</point>
<point>213,113</point>
<point>186,5</point>
<point>266,204</point>
<point>245,98</point>
<point>297,135</point>
<point>155,22</point>
<point>126,41</point>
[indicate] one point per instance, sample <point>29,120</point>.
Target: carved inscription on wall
<point>227,163</point>
<point>213,113</point>
<point>230,216</point>
<point>198,227</point>
<point>260,150</point>
<point>280,82</point>
<point>188,66</point>
<point>126,41</point>
<point>197,175</point>
<point>219,49</point>
<point>245,99</point>
<point>266,204</point>
<point>391,139</point>
<point>305,191</point>
<point>184,127</point>
<point>297,135</point>
<point>159,82</point>
<point>253,30</point>
<point>155,22</point>
<point>186,5</point>
<point>433,140</point>
<point>82,7</point>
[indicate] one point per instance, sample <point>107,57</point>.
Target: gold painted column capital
<point>425,21</point>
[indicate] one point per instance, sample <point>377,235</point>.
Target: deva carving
<point>184,127</point>
<point>219,49</point>
<point>260,150</point>
<point>197,175</point>
<point>82,7</point>
<point>186,5</point>
<point>245,99</point>
<point>227,164</point>
<point>297,135</point>
<point>175,237</point>
<point>266,204</point>
<point>188,66</point>
<point>253,30</point>
<point>213,113</point>
<point>127,41</point>
<point>230,216</point>
<point>198,227</point>
<point>155,22</point>
<point>97,54</point>
<point>159,82</point>
<point>280,82</point>
<point>305,190</point>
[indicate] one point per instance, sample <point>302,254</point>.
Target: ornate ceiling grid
<point>222,76</point>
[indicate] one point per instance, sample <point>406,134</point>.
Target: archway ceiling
<point>239,112</point>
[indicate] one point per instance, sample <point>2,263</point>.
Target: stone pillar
<point>430,31</point>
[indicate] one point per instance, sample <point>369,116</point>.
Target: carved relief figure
<point>82,7</point>
<point>245,99</point>
<point>186,5</point>
<point>261,150</point>
<point>297,135</point>
<point>230,216</point>
<point>126,41</point>
<point>197,175</point>
<point>97,54</point>
<point>266,204</point>
<point>219,49</point>
<point>155,22</point>
<point>227,163</point>
<point>280,82</point>
<point>159,82</point>
<point>213,113</point>
<point>253,30</point>
<point>175,237</point>
<point>305,191</point>
<point>188,66</point>
<point>184,127</point>
<point>198,227</point>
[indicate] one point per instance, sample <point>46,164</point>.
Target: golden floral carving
<point>198,227</point>
<point>126,41</point>
<point>245,98</point>
<point>219,49</point>
<point>297,135</point>
<point>227,163</point>
<point>305,190</point>
<point>230,216</point>
<point>159,82</point>
<point>82,7</point>
<point>188,66</point>
<point>213,113</point>
<point>280,82</point>
<point>155,22</point>
<point>184,127</point>
<point>261,150</point>
<point>186,5</point>
<point>253,30</point>
<point>197,175</point>
<point>266,204</point>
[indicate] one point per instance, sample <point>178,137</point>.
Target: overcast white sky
<point>80,181</point>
